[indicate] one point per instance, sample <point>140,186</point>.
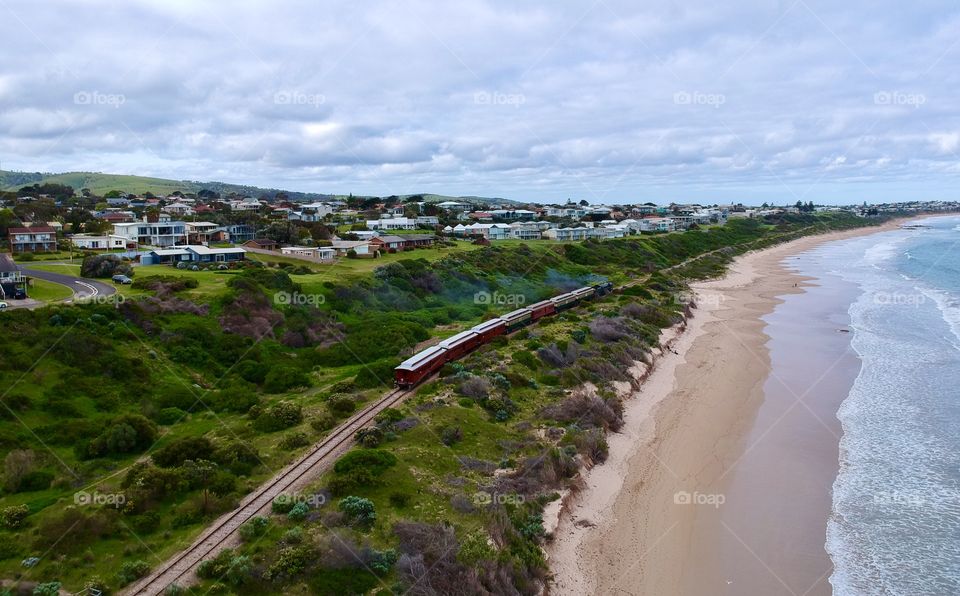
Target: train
<point>425,363</point>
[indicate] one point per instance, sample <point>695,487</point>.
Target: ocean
<point>895,522</point>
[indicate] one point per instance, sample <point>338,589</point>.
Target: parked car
<point>3,305</point>
<point>122,279</point>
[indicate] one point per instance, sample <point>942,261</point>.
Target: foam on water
<point>895,526</point>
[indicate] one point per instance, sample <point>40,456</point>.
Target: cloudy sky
<point>609,101</point>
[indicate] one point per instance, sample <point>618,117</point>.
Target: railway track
<point>217,537</point>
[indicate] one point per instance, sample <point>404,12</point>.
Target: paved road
<point>83,288</point>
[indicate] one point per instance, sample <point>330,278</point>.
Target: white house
<point>394,223</point>
<point>656,224</point>
<point>342,247</point>
<point>322,253</point>
<point>92,242</point>
<point>193,254</point>
<point>428,220</point>
<point>164,233</point>
<point>178,209</point>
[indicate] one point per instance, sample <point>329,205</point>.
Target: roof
<point>261,241</point>
<point>455,340</point>
<point>206,250</point>
<point>487,325</point>
<point>7,264</point>
<point>33,230</point>
<point>516,314</point>
<point>389,238</point>
<point>420,358</point>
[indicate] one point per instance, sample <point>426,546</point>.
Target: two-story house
<point>35,239</point>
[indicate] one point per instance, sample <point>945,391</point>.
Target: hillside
<point>100,183</point>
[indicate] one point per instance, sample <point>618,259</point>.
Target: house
<point>314,211</point>
<point>387,243</point>
<point>656,224</point>
<point>566,234</point>
<point>342,247</point>
<point>205,232</point>
<point>320,253</point>
<point>261,243</point>
<point>115,217</point>
<point>521,231</point>
<point>396,223</point>
<point>513,214</point>
<point>453,205</point>
<point>13,284</point>
<point>98,242</point>
<point>161,233</point>
<point>193,254</point>
<point>240,233</point>
<point>246,204</point>
<point>418,240</point>
<point>428,220</point>
<point>179,209</point>
<point>33,239</point>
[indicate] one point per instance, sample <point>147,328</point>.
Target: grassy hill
<point>100,183</point>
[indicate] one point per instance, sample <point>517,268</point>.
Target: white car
<point>3,305</point>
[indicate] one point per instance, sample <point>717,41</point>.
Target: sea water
<point>895,523</point>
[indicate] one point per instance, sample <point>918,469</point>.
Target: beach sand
<point>720,481</point>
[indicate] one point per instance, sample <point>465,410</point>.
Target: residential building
<point>98,242</point>
<point>319,253</point>
<point>261,243</point>
<point>240,233</point>
<point>387,243</point>
<point>178,209</point>
<point>193,254</point>
<point>656,224</point>
<point>342,247</point>
<point>418,240</point>
<point>161,233</point>
<point>396,223</point>
<point>32,239</point>
<point>13,284</point>
<point>205,232</point>
<point>428,220</point>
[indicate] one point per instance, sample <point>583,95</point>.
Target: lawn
<point>48,291</point>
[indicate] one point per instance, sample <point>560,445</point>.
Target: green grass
<point>48,291</point>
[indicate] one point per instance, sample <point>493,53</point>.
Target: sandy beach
<point>719,482</point>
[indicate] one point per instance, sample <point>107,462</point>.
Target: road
<point>83,289</point>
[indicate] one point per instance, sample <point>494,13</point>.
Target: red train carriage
<point>542,309</point>
<point>490,329</point>
<point>517,319</point>
<point>420,366</point>
<point>461,344</point>
<point>564,300</point>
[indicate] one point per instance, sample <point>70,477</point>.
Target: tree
<point>18,464</point>
<point>199,473</point>
<point>359,509</point>
<point>104,266</point>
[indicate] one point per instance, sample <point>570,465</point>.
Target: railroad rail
<point>215,538</point>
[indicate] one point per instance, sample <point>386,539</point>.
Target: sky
<point>610,101</point>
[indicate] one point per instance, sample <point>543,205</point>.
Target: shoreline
<point>625,532</point>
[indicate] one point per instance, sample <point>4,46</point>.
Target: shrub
<point>290,562</point>
<point>359,509</point>
<point>587,409</point>
<point>254,528</point>
<point>475,388</point>
<point>180,450</point>
<point>298,512</point>
<point>323,422</point>
<point>370,437</point>
<point>168,416</point>
<point>283,504</point>
<point>451,435</point>
<point>283,378</point>
<point>127,434</point>
<point>47,589</point>
<point>131,571</point>
<point>342,405</point>
<point>12,517</point>
<point>526,359</point>
<point>104,266</point>
<point>279,416</point>
<point>375,461</point>
<point>294,441</point>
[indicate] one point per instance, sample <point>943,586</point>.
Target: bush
<point>254,528</point>
<point>342,405</point>
<point>283,378</point>
<point>359,509</point>
<point>298,512</point>
<point>12,517</point>
<point>100,266</point>
<point>279,416</point>
<point>127,434</point>
<point>375,461</point>
<point>294,441</point>
<point>475,388</point>
<point>168,416</point>
<point>179,451</point>
<point>131,571</point>
<point>47,589</point>
<point>451,435</point>
<point>369,437</point>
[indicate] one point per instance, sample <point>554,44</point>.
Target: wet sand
<point>720,481</point>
